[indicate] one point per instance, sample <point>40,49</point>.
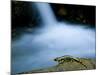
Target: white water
<point>46,13</point>
<point>56,39</point>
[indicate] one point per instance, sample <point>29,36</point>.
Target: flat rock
<point>68,65</point>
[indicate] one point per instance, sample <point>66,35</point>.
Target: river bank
<point>69,64</point>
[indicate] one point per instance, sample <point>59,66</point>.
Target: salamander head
<point>63,57</point>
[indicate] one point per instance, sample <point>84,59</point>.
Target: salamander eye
<point>55,59</point>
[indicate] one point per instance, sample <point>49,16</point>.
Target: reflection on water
<point>37,50</point>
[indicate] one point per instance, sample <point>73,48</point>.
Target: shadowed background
<point>73,33</point>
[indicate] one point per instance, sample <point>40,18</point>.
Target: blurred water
<point>47,16</point>
<point>37,50</point>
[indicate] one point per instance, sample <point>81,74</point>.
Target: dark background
<point>24,16</point>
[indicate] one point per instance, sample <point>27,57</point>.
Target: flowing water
<point>37,50</point>
<point>46,14</point>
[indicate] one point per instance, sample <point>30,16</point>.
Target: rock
<point>67,63</point>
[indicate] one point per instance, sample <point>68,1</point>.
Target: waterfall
<point>53,40</point>
<point>46,14</point>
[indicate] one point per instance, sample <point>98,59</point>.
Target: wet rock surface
<point>68,63</point>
